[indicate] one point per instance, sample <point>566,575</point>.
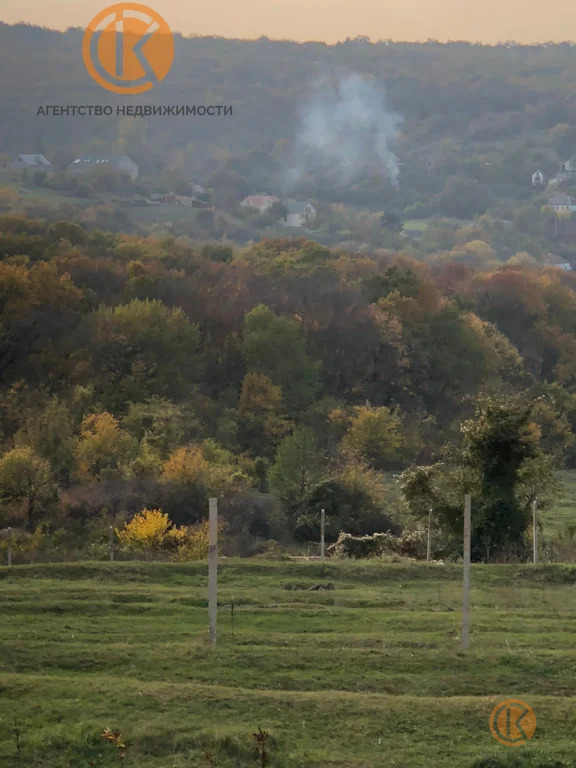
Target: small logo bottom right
<point>512,722</point>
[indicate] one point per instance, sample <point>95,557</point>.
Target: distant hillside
<point>472,114</point>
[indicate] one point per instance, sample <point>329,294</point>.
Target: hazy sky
<point>331,20</point>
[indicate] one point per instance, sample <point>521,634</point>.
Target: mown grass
<point>369,673</point>
<point>562,514</point>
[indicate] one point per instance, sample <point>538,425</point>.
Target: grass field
<point>365,675</point>
<point>563,513</point>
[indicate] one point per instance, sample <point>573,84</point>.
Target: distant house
<point>569,166</point>
<point>172,199</point>
<point>562,204</point>
<point>538,179</point>
<point>191,202</point>
<point>35,162</point>
<point>567,172</point>
<point>260,203</point>
<point>563,265</point>
<point>120,163</point>
<point>298,214</point>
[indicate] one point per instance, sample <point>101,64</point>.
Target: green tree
<point>262,420</point>
<point>141,350</point>
<point>104,450</point>
<point>275,347</point>
<point>50,434</point>
<point>158,423</point>
<point>298,469</point>
<point>26,483</point>
<point>377,434</point>
<point>354,499</point>
<point>498,442</point>
<point>500,462</point>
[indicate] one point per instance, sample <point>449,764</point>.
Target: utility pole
<point>466,573</point>
<point>111,543</point>
<point>322,533</point>
<point>212,569</point>
<point>429,542</point>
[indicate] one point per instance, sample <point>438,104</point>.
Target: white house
<point>120,163</point>
<point>260,203</point>
<point>35,162</point>
<point>562,204</point>
<point>538,179</point>
<point>565,266</point>
<point>569,166</point>
<point>567,172</point>
<point>298,214</point>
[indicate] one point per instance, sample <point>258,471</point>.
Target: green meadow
<point>341,664</point>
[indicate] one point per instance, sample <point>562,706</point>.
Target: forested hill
<point>152,372</point>
<point>489,114</point>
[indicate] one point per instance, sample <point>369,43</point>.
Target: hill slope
<point>366,674</point>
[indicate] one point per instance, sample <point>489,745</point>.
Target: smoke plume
<point>345,131</point>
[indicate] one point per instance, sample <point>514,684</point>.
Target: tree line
<point>283,377</point>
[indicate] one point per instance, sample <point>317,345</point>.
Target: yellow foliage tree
<point>151,531</point>
<point>104,449</point>
<point>186,466</point>
<point>148,530</point>
<point>377,434</point>
<point>207,466</point>
<point>193,541</point>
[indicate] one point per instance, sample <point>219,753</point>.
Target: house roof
<point>33,159</point>
<point>560,200</point>
<point>565,265</point>
<point>294,206</point>
<point>100,159</point>
<point>260,200</point>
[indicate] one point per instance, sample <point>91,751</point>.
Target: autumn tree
<point>194,472</point>
<point>26,484</point>
<point>275,347</point>
<point>104,450</point>
<point>141,350</point>
<point>262,420</point>
<point>354,499</point>
<point>298,469</point>
<point>157,423</point>
<point>377,434</point>
<point>50,434</point>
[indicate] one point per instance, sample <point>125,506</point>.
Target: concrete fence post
<point>213,569</point>
<point>466,573</point>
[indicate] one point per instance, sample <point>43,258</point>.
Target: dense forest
<point>282,377</point>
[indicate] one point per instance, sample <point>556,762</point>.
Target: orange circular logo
<point>512,722</point>
<point>128,48</point>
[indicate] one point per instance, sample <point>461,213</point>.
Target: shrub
<point>192,541</point>
<point>146,531</point>
<point>362,546</point>
<point>410,544</point>
<point>152,531</point>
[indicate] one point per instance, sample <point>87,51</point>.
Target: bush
<point>147,531</point>
<point>362,546</point>
<point>152,531</point>
<point>21,543</point>
<point>409,544</point>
